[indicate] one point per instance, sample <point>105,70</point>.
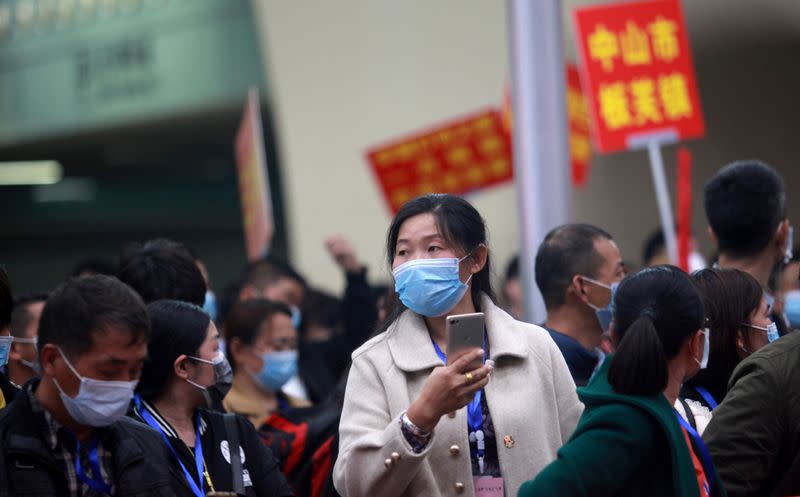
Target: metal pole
<point>662,197</point>
<point>541,154</point>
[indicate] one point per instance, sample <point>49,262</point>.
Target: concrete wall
<point>349,74</point>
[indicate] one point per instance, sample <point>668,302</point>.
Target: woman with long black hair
<point>184,362</point>
<point>630,441</point>
<point>415,423</point>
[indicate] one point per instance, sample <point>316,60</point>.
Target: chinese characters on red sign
<point>637,72</point>
<point>457,157</point>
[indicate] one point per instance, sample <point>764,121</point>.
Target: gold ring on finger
<point>469,377</point>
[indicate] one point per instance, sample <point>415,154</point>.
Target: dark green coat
<point>623,445</point>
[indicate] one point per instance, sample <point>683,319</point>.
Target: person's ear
<point>478,259</point>
<point>47,358</point>
<point>248,292</point>
<point>782,234</point>
<point>579,288</point>
<point>179,366</point>
<point>13,354</point>
<point>713,237</point>
<point>236,349</point>
<point>697,343</point>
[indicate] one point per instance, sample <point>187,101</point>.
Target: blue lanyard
<point>705,456</point>
<point>707,396</point>
<point>198,449</point>
<point>474,412</point>
<point>96,482</point>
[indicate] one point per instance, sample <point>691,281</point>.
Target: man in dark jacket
<point>576,266</point>
<point>754,436</point>
<point>66,434</point>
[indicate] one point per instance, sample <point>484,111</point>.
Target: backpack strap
<point>689,413</point>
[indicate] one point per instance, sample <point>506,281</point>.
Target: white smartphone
<point>465,331</point>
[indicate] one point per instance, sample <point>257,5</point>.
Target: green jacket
<point>623,445</point>
<point>754,435</point>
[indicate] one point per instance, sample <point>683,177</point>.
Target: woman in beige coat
<point>412,426</point>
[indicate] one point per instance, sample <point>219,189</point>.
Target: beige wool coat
<point>531,398</point>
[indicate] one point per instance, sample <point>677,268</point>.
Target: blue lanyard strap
<point>197,487</point>
<point>705,456</point>
<point>707,397</point>
<point>474,411</point>
<point>95,482</point>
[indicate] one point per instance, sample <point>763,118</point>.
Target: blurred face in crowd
<point>752,339</point>
<point>512,291</point>
<point>276,334</point>
<point>23,350</point>
<point>286,290</point>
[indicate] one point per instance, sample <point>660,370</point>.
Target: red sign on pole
<point>637,73</point>
<point>580,149</point>
<point>456,157</point>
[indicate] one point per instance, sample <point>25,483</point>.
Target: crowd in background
<point>134,378</point>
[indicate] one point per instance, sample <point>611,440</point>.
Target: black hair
<point>20,316</point>
<point>164,269</point>
<point>655,311</point>
<point>730,297</point>
<point>323,309</point>
<point>81,307</point>
<point>512,270</point>
<point>653,245</point>
<point>566,251</point>
<point>745,202</point>
<point>245,319</point>
<point>94,265</point>
<point>6,299</point>
<point>269,269</point>
<point>459,224</point>
<point>177,328</point>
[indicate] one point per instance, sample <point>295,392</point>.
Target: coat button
<point>459,487</point>
<point>388,463</point>
<point>455,450</point>
<point>451,415</point>
<point>395,456</point>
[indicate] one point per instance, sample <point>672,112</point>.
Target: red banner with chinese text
<point>456,157</point>
<point>637,72</point>
<point>580,148</point>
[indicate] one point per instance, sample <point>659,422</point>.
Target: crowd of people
<point>135,379</point>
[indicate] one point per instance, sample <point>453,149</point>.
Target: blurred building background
<point>139,101</point>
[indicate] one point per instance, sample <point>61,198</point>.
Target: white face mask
<point>98,403</point>
<point>34,364</point>
<point>706,349</point>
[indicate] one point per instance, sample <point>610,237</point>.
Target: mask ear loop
<point>469,254</point>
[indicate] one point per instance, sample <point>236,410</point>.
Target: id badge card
<point>488,486</point>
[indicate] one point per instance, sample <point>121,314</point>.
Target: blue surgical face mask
<point>5,348</point>
<point>297,316</point>
<point>279,367</point>
<point>604,314</point>
<point>772,331</point>
<point>210,305</point>
<point>791,306</point>
<point>430,287</point>
<point>99,402</point>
